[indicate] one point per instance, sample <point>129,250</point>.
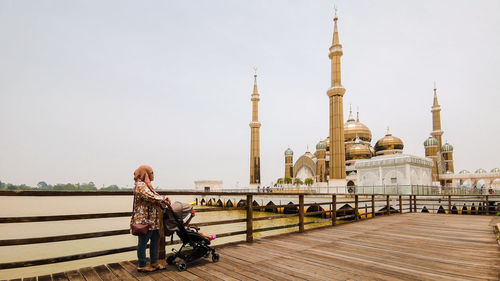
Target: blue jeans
<point>154,235</point>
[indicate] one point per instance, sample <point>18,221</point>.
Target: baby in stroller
<point>175,220</point>
<point>189,228</point>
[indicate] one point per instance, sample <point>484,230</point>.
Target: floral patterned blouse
<point>146,202</point>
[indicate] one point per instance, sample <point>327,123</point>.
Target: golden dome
<point>358,151</point>
<point>353,128</point>
<point>389,142</point>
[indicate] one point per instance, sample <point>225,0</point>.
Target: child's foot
<point>212,237</point>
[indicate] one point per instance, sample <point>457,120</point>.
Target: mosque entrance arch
<point>304,168</point>
<point>351,187</point>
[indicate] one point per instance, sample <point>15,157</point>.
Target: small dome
<point>288,152</point>
<point>464,172</point>
<point>495,170</point>
<point>327,142</point>
<point>358,151</point>
<point>431,141</point>
<point>446,147</point>
<point>309,154</point>
<point>389,142</point>
<point>353,128</point>
<point>321,145</point>
<point>480,171</point>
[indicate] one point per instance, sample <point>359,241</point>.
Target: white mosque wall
<point>208,185</point>
<point>396,169</point>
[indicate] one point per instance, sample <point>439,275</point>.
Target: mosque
<point>347,157</point>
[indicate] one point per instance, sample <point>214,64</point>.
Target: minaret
<point>336,93</point>
<point>288,163</point>
<point>255,136</point>
<point>432,151</point>
<point>321,162</point>
<point>436,119</point>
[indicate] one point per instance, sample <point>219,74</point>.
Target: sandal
<point>146,268</point>
<point>212,237</point>
<point>158,266</point>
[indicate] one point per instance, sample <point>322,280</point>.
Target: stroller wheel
<point>181,266</point>
<point>215,257</point>
<point>170,259</point>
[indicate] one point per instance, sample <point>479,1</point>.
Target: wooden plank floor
<point>399,247</point>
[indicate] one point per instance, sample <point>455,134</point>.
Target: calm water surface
<point>42,206</point>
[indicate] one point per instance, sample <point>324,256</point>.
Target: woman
<point>146,204</point>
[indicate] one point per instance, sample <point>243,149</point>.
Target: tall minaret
<point>335,93</point>
<point>255,137</point>
<point>436,119</point>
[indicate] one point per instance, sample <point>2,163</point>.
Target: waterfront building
<point>346,157</point>
<point>332,164</point>
<point>208,185</point>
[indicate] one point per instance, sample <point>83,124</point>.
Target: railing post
<point>334,209</point>
<point>415,203</point>
<point>409,202</point>
<point>373,205</point>
<point>449,204</point>
<point>249,218</point>
<point>301,213</point>
<point>485,206</point>
<point>356,206</point>
<point>388,205</point>
<point>400,204</point>
<point>161,246</point>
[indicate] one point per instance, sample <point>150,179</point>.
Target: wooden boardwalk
<point>411,246</point>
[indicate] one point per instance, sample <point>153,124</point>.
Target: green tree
<point>279,181</point>
<point>42,185</point>
<point>288,180</point>
<point>309,181</point>
<point>298,181</point>
<point>113,187</point>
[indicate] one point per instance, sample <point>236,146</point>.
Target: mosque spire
<point>357,115</point>
<point>435,95</point>
<point>351,118</point>
<point>335,29</point>
<point>437,132</point>
<point>255,90</point>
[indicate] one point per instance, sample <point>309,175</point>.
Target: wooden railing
<point>331,214</point>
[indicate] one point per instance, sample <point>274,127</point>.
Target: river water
<point>43,206</point>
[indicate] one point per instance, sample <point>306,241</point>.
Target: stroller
<point>173,221</point>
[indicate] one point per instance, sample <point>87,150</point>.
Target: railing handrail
<point>409,200</point>
<point>201,193</point>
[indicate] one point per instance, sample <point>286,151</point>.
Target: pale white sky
<point>89,90</point>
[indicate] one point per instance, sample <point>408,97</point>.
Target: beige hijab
<point>144,173</point>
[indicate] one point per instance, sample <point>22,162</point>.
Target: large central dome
<point>353,128</point>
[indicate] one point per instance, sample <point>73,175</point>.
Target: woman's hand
<point>166,200</point>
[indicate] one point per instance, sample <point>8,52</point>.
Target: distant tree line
<point>60,186</point>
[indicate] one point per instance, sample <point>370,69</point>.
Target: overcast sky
<point>89,90</point>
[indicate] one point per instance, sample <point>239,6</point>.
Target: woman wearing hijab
<point>146,204</point>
